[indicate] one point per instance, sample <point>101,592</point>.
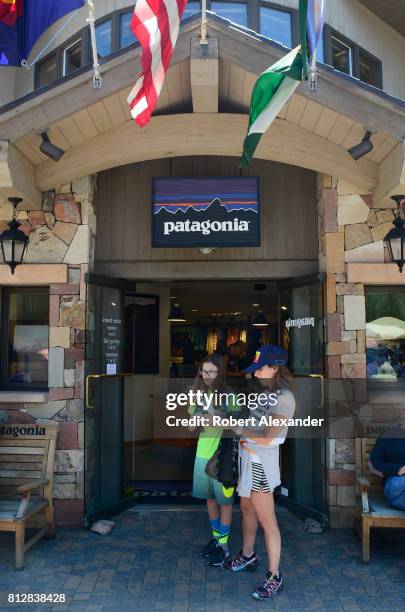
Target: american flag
<point>155,24</point>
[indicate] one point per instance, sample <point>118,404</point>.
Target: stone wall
<point>351,230</point>
<point>63,231</point>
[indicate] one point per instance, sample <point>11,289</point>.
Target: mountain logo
<point>224,221</point>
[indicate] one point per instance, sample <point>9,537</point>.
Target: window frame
<point>4,323</point>
<point>283,9</point>
<point>117,15</point>
<point>379,385</point>
<point>245,2</point>
<point>330,33</point>
<point>99,22</point>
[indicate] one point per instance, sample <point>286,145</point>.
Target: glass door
<point>104,398</point>
<point>303,455</point>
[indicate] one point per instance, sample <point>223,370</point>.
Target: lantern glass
<point>7,250</point>
<point>397,249</point>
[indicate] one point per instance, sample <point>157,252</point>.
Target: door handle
<point>90,377</point>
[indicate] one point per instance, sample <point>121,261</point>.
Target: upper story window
<point>125,37</point>
<point>277,25</point>
<point>72,57</point>
<point>48,70</point>
<point>24,338</point>
<point>190,9</point>
<point>234,11</point>
<point>342,56</point>
<point>369,69</point>
<point>347,57</point>
<point>104,38</point>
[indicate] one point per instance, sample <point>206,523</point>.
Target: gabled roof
<point>80,118</point>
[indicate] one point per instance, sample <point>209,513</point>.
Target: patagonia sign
<point>18,431</point>
<point>205,212</point>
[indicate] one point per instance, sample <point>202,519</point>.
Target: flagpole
<point>97,80</point>
<point>203,31</point>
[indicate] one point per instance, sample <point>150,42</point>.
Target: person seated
<point>388,457</point>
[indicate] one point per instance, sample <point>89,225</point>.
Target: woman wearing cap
<point>259,462</point>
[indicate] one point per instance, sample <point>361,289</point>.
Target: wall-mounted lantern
<point>13,241</point>
<point>395,239</point>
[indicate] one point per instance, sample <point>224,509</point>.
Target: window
<point>385,334</point>
<point>24,338</point>
<point>369,69</point>
<point>48,70</point>
<point>191,9</point>
<point>342,56</point>
<point>351,59</point>
<point>234,11</point>
<point>72,57</point>
<point>104,38</point>
<point>126,36</point>
<point>277,25</point>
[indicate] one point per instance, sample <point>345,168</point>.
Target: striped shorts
<point>259,479</point>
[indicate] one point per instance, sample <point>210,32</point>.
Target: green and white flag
<point>272,90</point>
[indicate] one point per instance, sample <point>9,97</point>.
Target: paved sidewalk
<point>151,561</point>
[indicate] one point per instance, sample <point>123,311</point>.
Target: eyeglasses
<point>209,373</point>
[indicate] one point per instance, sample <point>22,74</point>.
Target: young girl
<point>259,459</point>
<point>211,378</point>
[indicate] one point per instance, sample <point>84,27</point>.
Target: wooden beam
<point>391,177</point>
<point>41,109</point>
<point>17,176</point>
<point>204,68</point>
<point>204,134</point>
<point>368,106</point>
<point>207,270</point>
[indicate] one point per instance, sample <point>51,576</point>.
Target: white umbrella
<point>386,328</point>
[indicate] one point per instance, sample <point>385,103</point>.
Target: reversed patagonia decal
<point>205,212</point>
<point>300,322</point>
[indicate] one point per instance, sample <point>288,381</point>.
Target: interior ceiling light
<point>176,314</point>
<point>260,320</point>
<point>49,149</point>
<point>364,147</point>
<point>284,308</point>
<point>256,305</point>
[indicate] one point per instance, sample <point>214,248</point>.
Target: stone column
<point>63,231</point>
<point>351,230</point>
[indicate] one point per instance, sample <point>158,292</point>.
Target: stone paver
<point>151,561</point>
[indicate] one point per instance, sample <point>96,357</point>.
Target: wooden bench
<point>27,454</point>
<point>371,508</point>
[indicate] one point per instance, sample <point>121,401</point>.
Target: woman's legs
<point>263,504</point>
<point>213,510</point>
<point>249,522</point>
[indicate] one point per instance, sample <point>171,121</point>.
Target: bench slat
<point>23,442</point>
<point>21,466</point>
<point>21,450</point>
<point>20,474</point>
<point>6,458</point>
<point>15,481</point>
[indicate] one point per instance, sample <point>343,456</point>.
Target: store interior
<point>195,318</point>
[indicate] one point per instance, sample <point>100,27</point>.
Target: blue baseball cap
<point>268,354</point>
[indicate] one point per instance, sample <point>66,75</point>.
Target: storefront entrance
<point>132,346</point>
